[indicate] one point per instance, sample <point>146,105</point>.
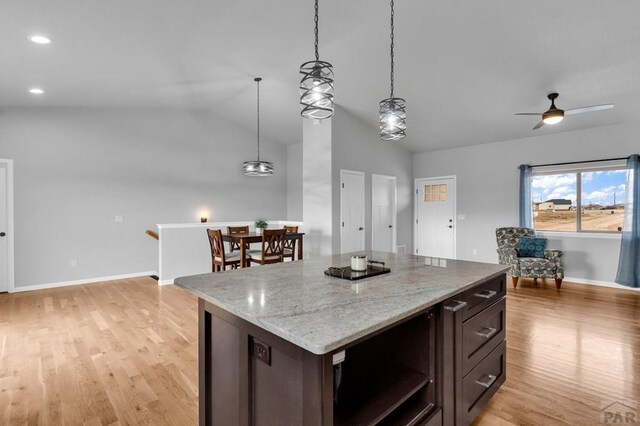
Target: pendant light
<point>316,86</point>
<point>392,109</point>
<point>258,168</point>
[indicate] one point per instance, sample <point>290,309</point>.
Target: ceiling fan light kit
<point>258,167</point>
<point>316,85</point>
<point>392,112</point>
<point>555,115</point>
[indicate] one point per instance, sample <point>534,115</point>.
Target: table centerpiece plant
<point>261,224</point>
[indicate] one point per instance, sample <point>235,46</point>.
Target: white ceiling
<point>464,67</point>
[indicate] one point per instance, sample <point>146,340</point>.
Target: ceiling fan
<point>555,115</point>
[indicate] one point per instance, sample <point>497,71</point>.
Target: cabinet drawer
<point>482,333</point>
<point>483,381</point>
<point>483,295</point>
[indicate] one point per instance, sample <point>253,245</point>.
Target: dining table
<point>243,239</point>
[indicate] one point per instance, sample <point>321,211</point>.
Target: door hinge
<point>343,186</point>
<point>416,192</point>
<point>343,224</point>
<point>416,220</point>
<point>416,251</point>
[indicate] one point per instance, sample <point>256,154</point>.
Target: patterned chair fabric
<point>526,267</point>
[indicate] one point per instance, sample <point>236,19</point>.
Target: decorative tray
<point>346,273</point>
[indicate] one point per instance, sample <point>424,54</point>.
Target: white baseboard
<point>600,283</point>
<point>165,282</point>
<point>79,282</point>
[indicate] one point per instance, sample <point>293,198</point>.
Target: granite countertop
<point>297,302</point>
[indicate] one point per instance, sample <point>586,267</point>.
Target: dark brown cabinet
<point>474,332</point>
<point>436,367</point>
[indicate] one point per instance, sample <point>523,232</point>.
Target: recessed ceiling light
<point>36,91</point>
<point>40,39</point>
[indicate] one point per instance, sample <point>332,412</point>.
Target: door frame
<point>394,236</point>
<point>455,211</point>
<point>10,236</point>
<point>353,172</point>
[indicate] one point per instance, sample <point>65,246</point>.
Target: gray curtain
<point>629,264</point>
<point>525,197</point>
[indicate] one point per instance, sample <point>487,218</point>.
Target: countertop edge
<point>323,350</point>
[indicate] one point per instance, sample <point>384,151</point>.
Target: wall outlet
<point>119,219</point>
<point>475,252</point>
<point>74,263</point>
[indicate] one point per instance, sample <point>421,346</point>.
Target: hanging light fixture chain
<point>392,13</point>
<point>316,31</point>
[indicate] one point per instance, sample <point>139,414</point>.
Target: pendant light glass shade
<point>316,85</point>
<point>392,119</point>
<point>258,167</point>
<point>392,110</point>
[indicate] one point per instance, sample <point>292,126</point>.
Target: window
<point>435,193</point>
<point>588,200</point>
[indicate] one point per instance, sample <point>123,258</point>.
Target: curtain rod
<point>577,162</point>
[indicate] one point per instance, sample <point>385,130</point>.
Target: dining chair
<point>272,247</point>
<point>236,230</point>
<point>219,259</point>
<point>290,245</point>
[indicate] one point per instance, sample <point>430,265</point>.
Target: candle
<point>359,263</point>
<point>203,220</point>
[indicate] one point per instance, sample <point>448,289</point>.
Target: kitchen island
<point>286,344</point>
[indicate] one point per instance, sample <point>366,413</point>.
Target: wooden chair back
<point>273,243</point>
<point>217,246</point>
<point>236,230</point>
<point>290,244</point>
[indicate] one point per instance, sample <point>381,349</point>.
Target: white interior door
<point>383,213</point>
<point>436,217</point>
<point>351,211</point>
<point>4,241</point>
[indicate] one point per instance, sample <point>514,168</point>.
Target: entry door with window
<point>435,217</point>
<point>383,213</point>
<point>351,211</point>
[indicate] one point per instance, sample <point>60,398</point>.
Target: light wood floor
<point>125,352</point>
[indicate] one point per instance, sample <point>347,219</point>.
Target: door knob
<point>450,226</point>
<point>2,234</point>
<point>360,229</point>
<point>390,226</point>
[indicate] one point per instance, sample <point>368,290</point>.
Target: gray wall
<point>76,169</point>
<point>294,182</point>
<point>357,146</point>
<point>487,181</point>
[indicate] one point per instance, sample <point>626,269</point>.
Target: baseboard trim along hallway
<point>18,289</point>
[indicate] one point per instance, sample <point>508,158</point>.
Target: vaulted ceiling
<point>464,67</point>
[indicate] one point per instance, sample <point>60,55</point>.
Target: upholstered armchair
<point>527,267</point>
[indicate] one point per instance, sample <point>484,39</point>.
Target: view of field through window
<point>555,201</point>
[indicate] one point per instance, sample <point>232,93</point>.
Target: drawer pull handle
<point>486,380</point>
<point>487,332</point>
<point>455,305</point>
<point>486,294</point>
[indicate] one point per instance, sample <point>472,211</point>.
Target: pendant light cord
<point>392,3</point>
<point>316,31</point>
<point>258,115</point>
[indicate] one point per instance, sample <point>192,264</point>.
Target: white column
<point>316,187</point>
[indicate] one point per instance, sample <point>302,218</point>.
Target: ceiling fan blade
<point>537,126</point>
<point>529,113</point>
<point>587,109</point>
